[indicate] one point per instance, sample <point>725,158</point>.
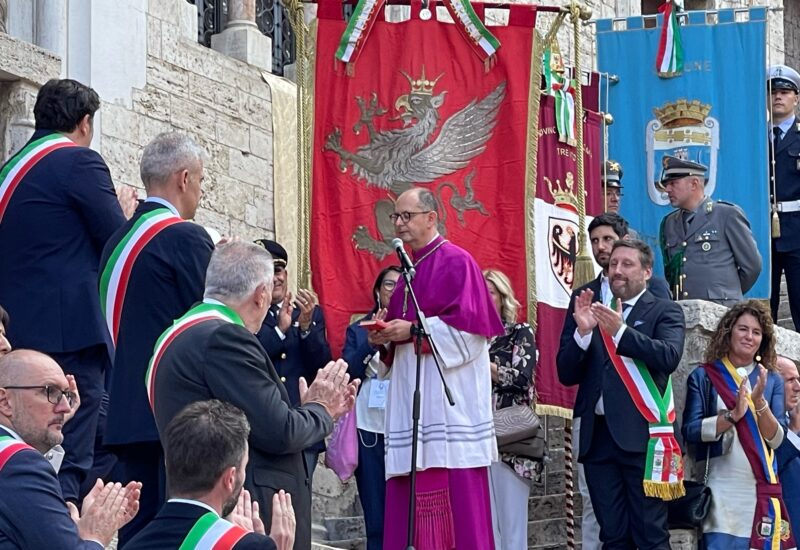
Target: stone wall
<point>222,103</point>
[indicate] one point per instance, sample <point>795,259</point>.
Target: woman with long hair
<point>513,361</point>
<point>737,429</point>
<point>364,363</point>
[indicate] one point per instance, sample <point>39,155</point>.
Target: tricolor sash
<point>771,528</point>
<point>117,272</point>
<point>663,472</point>
<point>10,446</point>
<point>20,164</point>
<point>211,532</point>
<point>200,313</point>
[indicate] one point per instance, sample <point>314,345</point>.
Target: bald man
<point>35,401</point>
<point>789,453</point>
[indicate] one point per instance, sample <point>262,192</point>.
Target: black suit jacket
<point>295,355</point>
<point>167,278</point>
<point>51,237</point>
<point>654,334</point>
<point>170,527</point>
<point>33,515</point>
<point>787,187</point>
<point>224,361</point>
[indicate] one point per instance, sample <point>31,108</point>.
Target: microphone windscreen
<point>397,243</point>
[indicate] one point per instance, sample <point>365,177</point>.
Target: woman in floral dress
<point>513,360</point>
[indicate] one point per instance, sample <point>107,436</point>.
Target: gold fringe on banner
<point>553,410</point>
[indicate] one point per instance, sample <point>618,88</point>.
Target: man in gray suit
<point>709,251</point>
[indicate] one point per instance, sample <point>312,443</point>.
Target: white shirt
<point>163,202</point>
<point>584,341</point>
<point>195,502</point>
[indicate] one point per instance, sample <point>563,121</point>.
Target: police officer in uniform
<point>708,248</point>
<point>293,335</point>
<point>611,177</point>
<point>784,84</point>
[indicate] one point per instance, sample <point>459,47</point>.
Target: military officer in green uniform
<point>708,248</point>
<point>611,177</point>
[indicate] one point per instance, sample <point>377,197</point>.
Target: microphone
<point>405,261</point>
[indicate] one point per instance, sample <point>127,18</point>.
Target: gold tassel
<point>350,69</point>
<point>584,270</point>
<point>664,491</point>
<point>776,225</point>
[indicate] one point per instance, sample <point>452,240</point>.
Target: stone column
<point>241,38</point>
<point>18,115</point>
<point>50,27</point>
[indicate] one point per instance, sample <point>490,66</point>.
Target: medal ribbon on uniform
<point>771,528</point>
<point>20,164</point>
<point>200,313</point>
<point>663,472</point>
<point>116,274</point>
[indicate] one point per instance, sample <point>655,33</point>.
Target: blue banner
<point>714,113</point>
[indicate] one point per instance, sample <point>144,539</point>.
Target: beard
<point>230,504</point>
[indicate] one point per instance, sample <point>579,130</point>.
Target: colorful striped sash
<point>211,532</point>
<point>116,274</point>
<point>771,528</point>
<point>20,164</point>
<point>200,313</point>
<point>663,473</point>
<point>10,446</point>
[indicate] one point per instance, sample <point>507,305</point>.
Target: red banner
<point>557,241</point>
<point>419,109</point>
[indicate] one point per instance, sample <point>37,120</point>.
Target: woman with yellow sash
<point>738,429</point>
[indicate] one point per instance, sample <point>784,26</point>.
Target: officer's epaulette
<point>726,202</point>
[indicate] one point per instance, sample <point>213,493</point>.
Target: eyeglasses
<point>53,393</point>
<point>405,216</point>
<point>388,284</point>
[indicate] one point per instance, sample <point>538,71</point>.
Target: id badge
<point>377,394</point>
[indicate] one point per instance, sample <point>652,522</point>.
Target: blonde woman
<point>513,360</point>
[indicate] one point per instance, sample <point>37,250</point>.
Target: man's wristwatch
<point>728,416</point>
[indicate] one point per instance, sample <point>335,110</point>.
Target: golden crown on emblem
<point>422,85</point>
<point>563,195</point>
<point>682,113</point>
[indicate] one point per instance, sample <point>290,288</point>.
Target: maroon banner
<point>557,242</point>
<point>420,109</point>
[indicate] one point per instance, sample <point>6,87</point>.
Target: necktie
<point>273,310</point>
<point>687,220</point>
<point>777,133</point>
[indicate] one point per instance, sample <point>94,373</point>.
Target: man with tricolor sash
<point>58,208</point>
<point>152,271</point>
<point>621,354</point>
<point>36,400</point>
<point>208,508</point>
<point>212,353</point>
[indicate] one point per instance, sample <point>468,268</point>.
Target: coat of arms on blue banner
<point>714,113</point>
<point>682,129</point>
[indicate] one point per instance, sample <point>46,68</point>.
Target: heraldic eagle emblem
<point>413,153</point>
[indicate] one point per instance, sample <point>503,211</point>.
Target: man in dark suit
<point>165,278</point>
<point>212,353</point>
<point>57,220</point>
<point>614,433</point>
<point>207,502</point>
<point>294,336</point>
<point>784,85</point>
<point>788,453</point>
<point>35,402</point>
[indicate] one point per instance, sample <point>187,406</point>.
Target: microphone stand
<point>420,332</point>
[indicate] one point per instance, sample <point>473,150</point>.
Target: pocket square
<point>637,323</point>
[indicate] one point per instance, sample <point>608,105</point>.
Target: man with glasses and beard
<point>35,402</point>
<point>207,506</point>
